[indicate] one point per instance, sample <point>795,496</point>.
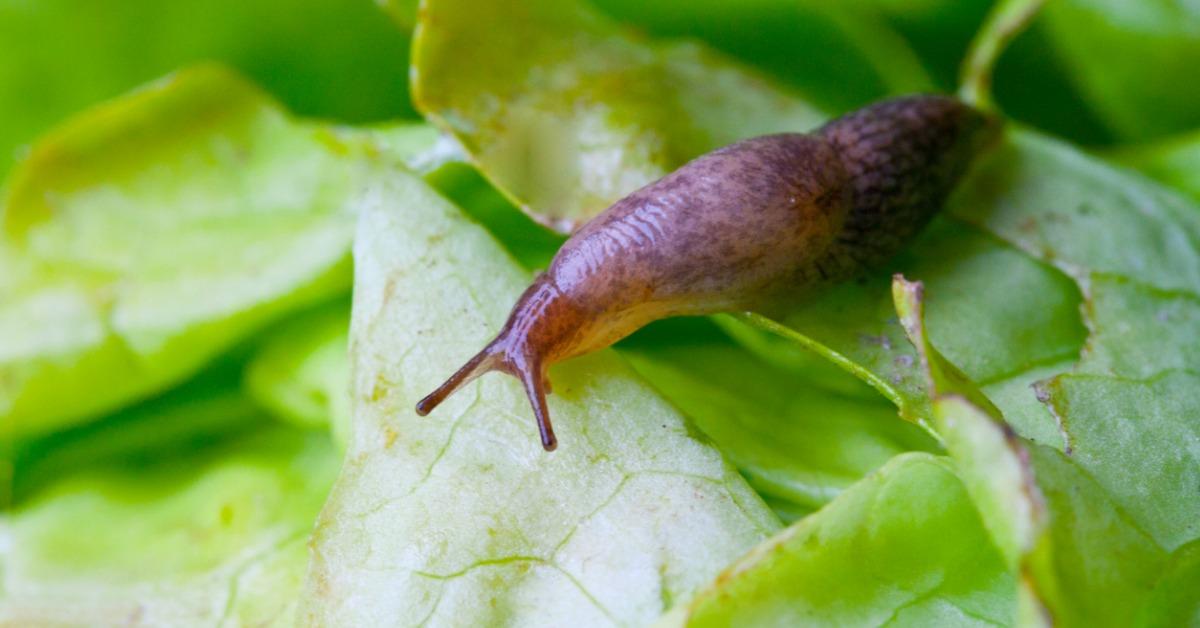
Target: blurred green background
<point>347,61</point>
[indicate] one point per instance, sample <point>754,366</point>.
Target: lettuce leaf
<point>150,234</point>
<point>904,546</point>
<point>565,112</point>
<point>798,443</point>
<point>206,410</point>
<point>1111,479</point>
<point>301,371</point>
<point>1133,250</point>
<point>999,315</point>
<point>1174,161</point>
<point>461,515</point>
<point>991,459</point>
<point>1037,236</point>
<point>1051,353</point>
<point>208,536</point>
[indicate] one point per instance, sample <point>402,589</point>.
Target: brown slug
<point>761,219</point>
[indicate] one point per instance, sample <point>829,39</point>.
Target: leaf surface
<point>301,372</point>
<point>904,546</point>
<point>461,515</point>
<point>799,444</point>
<point>150,234</point>
<point>565,112</point>
<point>208,536</point>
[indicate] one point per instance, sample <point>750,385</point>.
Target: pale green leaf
<point>153,232</point>
<point>565,112</point>
<point>461,516</point>
<point>301,373</point>
<point>211,537</point>
<point>903,547</point>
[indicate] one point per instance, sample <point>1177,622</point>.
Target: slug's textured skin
<point>765,218</point>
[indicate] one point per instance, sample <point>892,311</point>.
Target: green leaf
<point>1122,409</point>
<point>1158,453</point>
<point>1133,61</point>
<point>59,56</point>
<point>1174,161</point>
<point>152,233</point>
<point>461,516</point>
<point>798,444</point>
<point>1027,244</point>
<point>993,311</point>
<point>1118,407</point>
<point>1082,215</point>
<point>992,461</point>
<point>206,409</point>
<point>301,372</point>
<point>837,56</point>
<point>1133,248</point>
<point>1093,567</point>
<point>903,546</point>
<point>204,538</point>
<point>566,113</point>
<point>1174,601</point>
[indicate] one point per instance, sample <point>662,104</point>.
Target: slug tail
<point>483,362</point>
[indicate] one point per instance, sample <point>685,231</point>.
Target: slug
<point>759,220</point>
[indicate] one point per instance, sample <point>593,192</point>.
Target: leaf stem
<point>1007,19</point>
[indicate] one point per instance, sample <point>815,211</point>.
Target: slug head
<point>540,330</point>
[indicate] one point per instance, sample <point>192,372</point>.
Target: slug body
<point>755,221</point>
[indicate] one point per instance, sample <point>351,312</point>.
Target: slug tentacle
<point>476,366</point>
<point>501,355</point>
<point>766,219</point>
<point>539,331</point>
<point>534,379</point>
